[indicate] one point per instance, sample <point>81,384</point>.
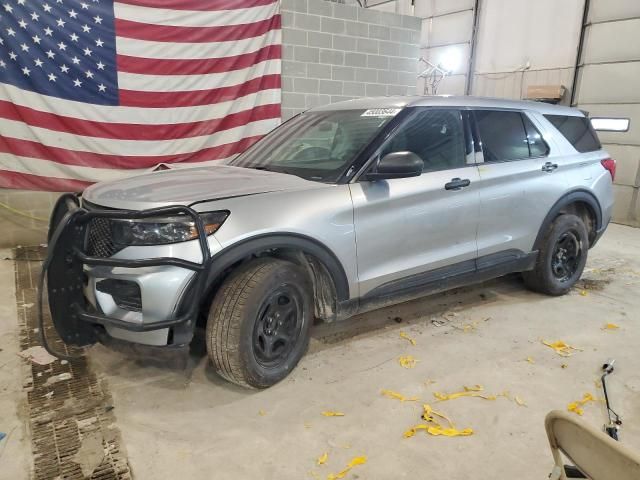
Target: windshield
<point>317,146</point>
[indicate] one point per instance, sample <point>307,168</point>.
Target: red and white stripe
<point>199,81</point>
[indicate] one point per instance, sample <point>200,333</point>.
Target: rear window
<point>503,135</point>
<point>577,130</point>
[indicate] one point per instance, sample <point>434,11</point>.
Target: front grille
<point>100,239</point>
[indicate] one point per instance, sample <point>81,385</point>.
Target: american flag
<point>92,90</point>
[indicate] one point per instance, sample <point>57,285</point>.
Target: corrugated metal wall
<point>447,28</point>
<point>518,43</point>
<point>521,43</point>
<point>608,80</point>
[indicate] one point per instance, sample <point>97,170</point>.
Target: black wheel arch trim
<point>232,254</point>
<point>572,197</point>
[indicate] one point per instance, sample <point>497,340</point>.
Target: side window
<point>503,135</point>
<point>435,135</point>
<point>537,145</point>
<point>577,130</point>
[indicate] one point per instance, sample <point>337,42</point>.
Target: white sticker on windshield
<point>381,112</point>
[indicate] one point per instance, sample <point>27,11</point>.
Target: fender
<point>569,198</point>
<point>236,252</point>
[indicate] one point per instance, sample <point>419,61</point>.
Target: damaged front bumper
<point>153,301</point>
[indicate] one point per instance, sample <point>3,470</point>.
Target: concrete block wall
<point>333,52</point>
<point>24,217</point>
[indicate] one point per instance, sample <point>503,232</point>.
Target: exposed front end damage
<point>95,291</point>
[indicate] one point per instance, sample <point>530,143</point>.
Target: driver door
<point>414,231</point>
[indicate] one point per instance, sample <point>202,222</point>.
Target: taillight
<point>610,165</point>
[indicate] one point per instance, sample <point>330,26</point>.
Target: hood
<point>184,186</point>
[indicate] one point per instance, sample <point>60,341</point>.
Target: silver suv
<point>340,210</point>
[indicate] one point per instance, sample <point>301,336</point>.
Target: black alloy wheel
<point>278,327</point>
<point>561,256</point>
<point>566,256</point>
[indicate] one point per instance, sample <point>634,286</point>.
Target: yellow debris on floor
<point>576,407</point>
<point>473,391</point>
<point>520,401</point>
<point>561,348</point>
<point>397,396</point>
<point>343,473</point>
<point>407,361</point>
<point>408,338</point>
<point>437,430</point>
<point>322,459</point>
<point>470,327</point>
<point>428,412</point>
<point>473,388</point>
<point>331,413</point>
<point>432,427</point>
<point>611,326</point>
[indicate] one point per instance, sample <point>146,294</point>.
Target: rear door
<point>521,177</point>
<point>408,227</point>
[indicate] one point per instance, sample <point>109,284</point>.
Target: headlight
<point>156,231</point>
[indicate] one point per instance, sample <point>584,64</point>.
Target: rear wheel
<point>561,258</point>
<point>258,325</point>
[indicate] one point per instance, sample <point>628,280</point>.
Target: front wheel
<point>258,325</point>
<point>561,258</point>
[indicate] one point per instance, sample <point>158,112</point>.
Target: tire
<point>557,268</point>
<point>263,303</point>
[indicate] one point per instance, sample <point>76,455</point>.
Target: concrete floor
<point>15,456</point>
<point>191,424</point>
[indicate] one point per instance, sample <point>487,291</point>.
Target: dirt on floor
<point>189,423</point>
<point>15,458</point>
<point>65,408</point>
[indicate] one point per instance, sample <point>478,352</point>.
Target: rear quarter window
<point>537,146</point>
<point>577,130</point>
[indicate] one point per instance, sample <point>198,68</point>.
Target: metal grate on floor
<point>71,418</point>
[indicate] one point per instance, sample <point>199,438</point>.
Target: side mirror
<point>397,165</point>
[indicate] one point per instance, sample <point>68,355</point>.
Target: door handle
<point>457,184</point>
<point>549,167</point>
